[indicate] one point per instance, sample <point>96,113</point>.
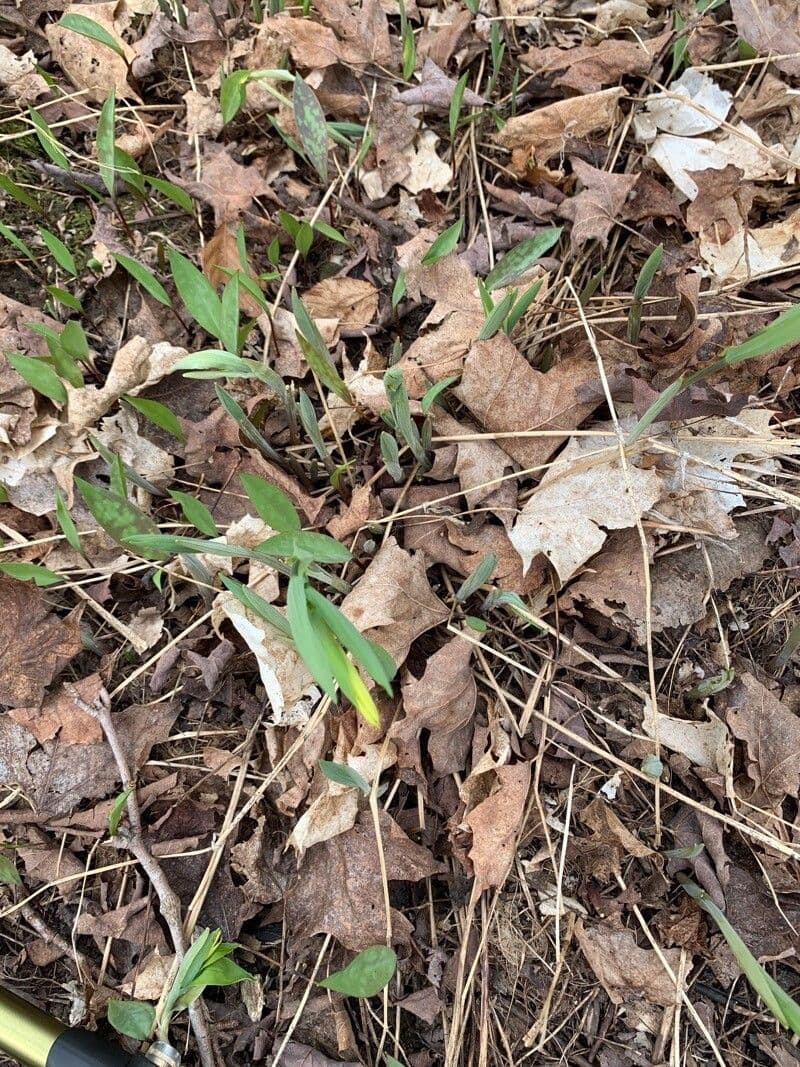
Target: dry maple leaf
<point>340,890</point>
<point>772,734</point>
<point>91,65</point>
<point>352,301</point>
<point>578,499</point>
<point>393,603</point>
<point>537,136</point>
<point>227,186</point>
<point>505,393</point>
<point>625,971</point>
<point>36,643</point>
<point>442,702</point>
<point>496,823</point>
<point>598,205</point>
<point>587,68</point>
<point>772,27</point>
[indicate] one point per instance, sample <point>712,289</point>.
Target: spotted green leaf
<point>118,517</point>
<point>521,258</point>
<point>311,126</point>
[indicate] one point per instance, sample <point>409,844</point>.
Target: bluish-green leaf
<point>133,1018</point>
<point>311,126</point>
<point>307,547</point>
<point>306,641</point>
<point>87,27</point>
<point>105,143</point>
<point>521,258</point>
<point>257,604</point>
<point>343,775</point>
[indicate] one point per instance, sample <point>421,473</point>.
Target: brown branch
<point>137,844</point>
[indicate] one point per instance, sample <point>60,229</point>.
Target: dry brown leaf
<point>46,862</point>
<point>505,393</point>
<point>538,136</point>
<point>614,584</point>
<point>299,1055</point>
<point>481,467</point>
<point>772,27</point>
<point>147,980</point>
<point>443,32</point>
<point>705,743</point>
<point>587,68</point>
<point>340,891</point>
<point>227,186</point>
<point>134,923</point>
<point>350,300</point>
<point>442,702</point>
<point>36,643</point>
<point>203,115</point>
<point>328,816</point>
<point>60,715</point>
<point>435,90</point>
<point>221,251</point>
<point>354,36</point>
<point>393,603</point>
<point>363,508</point>
<point>496,822</point>
<point>90,65</point>
<point>626,972</point>
<point>772,734</point>
<point>598,205</point>
<point>582,495</point>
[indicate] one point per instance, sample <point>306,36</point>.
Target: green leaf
<point>31,572</point>
<point>784,330</point>
<point>444,244</point>
<point>343,775</point>
<point>65,521</point>
<point>640,291</point>
<point>196,513</point>
<point>306,640</point>
<point>390,454</point>
<point>455,103</point>
<point>87,27</point>
<point>73,340</point>
<point>320,363</point>
<point>197,293</point>
<point>522,258</point>
<point>128,170</point>
<point>257,604</point>
<point>714,684</point>
<point>144,277</point>
<point>39,376</point>
<point>105,143</point>
<point>133,1018</point>
<point>329,232</point>
<point>229,314</point>
<point>390,1061</point>
<point>157,413</point>
<point>497,316</point>
<point>344,672</point>
<point>271,503</point>
<point>245,425</point>
<point>366,975</point>
<point>118,517</point>
<point>217,363</point>
<point>307,547</point>
<point>311,126</point>
<point>17,242</point>
<point>399,289</point>
<point>395,386</point>
<point>436,390</point>
<point>375,660</point>
<point>24,197</point>
<point>61,296</point>
<point>479,577</point>
<point>9,875</point>
<point>223,972</point>
<point>47,140</point>
<point>59,251</point>
<point>785,1010</point>
<point>179,197</point>
<point>117,479</point>
<point>232,93</point>
<point>117,808</point>
<point>522,305</point>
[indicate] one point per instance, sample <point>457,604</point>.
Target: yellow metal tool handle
<point>26,1033</point>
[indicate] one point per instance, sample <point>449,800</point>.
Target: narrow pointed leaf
<point>144,277</point>
<point>271,503</point>
<point>307,642</point>
<point>196,513</point>
<point>311,126</point>
<point>522,258</point>
<point>87,27</point>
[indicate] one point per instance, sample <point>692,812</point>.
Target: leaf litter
<point>466,291</point>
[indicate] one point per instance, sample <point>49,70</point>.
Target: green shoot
<point>640,291</point>
<point>444,244</point>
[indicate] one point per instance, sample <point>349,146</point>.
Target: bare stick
<point>136,842</point>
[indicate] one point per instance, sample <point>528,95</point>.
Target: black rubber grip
<point>80,1048</point>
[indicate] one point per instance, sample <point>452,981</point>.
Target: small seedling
<point>400,415</point>
<point>640,291</point>
<point>444,244</point>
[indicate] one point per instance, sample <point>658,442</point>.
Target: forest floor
<point>415,279</point>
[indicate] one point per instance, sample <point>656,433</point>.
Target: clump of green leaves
<point>325,639</point>
<point>207,963</point>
